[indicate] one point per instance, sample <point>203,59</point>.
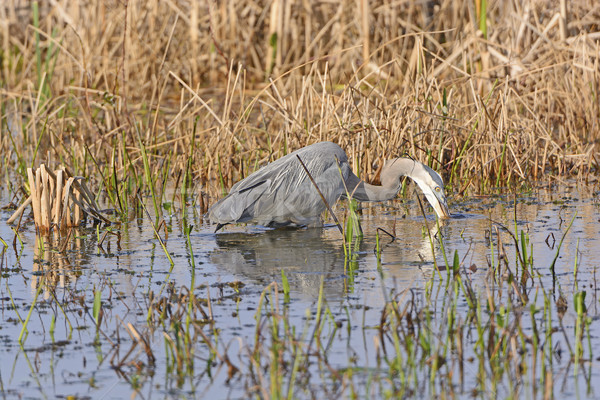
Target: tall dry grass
<point>496,95</point>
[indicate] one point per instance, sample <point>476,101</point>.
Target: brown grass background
<point>502,94</point>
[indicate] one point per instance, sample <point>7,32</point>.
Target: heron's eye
<point>437,189</point>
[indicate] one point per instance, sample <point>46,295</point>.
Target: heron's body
<point>281,193</point>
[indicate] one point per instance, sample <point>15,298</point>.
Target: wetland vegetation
<point>149,111</point>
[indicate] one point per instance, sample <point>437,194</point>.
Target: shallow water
<point>234,267</point>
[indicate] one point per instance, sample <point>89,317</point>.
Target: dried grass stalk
<point>58,199</point>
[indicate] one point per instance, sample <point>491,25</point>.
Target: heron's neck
<point>390,181</point>
<point>362,191</point>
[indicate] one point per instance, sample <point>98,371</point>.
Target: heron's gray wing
<point>237,206</point>
<point>281,192</point>
<point>232,207</point>
<point>293,198</point>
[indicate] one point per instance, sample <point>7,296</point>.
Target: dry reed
<point>57,200</point>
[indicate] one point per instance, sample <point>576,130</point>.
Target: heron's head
<point>428,180</point>
<point>432,186</point>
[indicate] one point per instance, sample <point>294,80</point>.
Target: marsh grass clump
<point>58,200</point>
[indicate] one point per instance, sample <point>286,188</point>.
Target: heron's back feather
<point>281,192</point>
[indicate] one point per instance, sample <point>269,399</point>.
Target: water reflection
<point>408,261</point>
<point>51,266</point>
<point>305,255</point>
<point>412,244</point>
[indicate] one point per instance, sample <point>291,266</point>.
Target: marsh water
<point>50,289</point>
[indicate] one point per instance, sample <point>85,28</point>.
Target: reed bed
<point>157,96</point>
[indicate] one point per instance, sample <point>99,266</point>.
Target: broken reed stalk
<point>58,200</point>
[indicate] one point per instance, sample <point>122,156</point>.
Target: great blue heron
<point>281,193</point>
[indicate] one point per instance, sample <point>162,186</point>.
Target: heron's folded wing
<point>293,196</point>
<point>235,206</point>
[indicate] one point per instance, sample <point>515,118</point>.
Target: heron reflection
<point>305,255</point>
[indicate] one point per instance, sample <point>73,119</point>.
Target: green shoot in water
<point>97,307</point>
<point>286,286</point>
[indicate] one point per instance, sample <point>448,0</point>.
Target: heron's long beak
<point>438,202</point>
<point>441,208</point>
